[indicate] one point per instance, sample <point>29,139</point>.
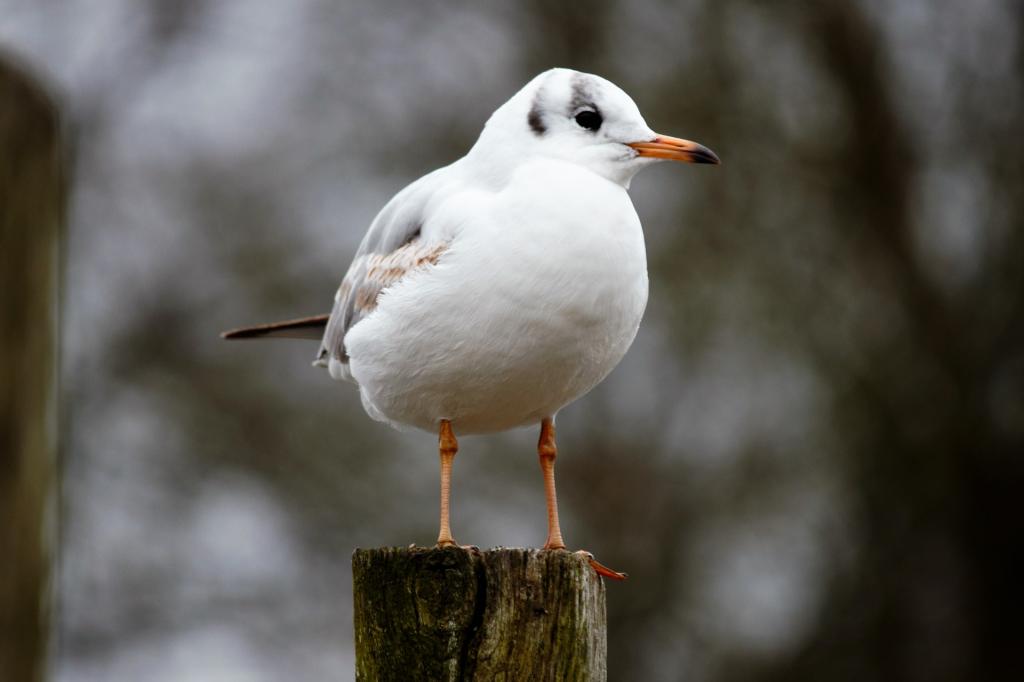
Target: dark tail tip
<point>303,328</point>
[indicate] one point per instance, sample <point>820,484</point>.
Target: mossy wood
<point>454,614</point>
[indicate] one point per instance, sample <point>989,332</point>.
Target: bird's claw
<point>600,568</point>
<point>445,545</point>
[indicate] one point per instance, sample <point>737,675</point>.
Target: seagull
<point>492,292</point>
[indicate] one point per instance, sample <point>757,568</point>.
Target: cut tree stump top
<point>457,614</point>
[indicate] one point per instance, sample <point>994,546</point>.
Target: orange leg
<point>448,446</point>
<point>546,452</point>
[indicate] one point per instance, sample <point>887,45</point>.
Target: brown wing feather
<point>384,270</point>
<point>360,291</point>
<point>301,328</point>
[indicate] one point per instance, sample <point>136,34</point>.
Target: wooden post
<point>31,210</point>
<point>454,614</point>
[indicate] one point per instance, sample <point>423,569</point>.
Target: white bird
<point>493,292</point>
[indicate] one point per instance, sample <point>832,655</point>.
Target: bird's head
<point>584,119</point>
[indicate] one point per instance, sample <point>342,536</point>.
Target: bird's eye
<point>591,120</point>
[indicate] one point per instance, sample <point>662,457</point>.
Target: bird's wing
<point>399,240</point>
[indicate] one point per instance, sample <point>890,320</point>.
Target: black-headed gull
<point>494,291</point>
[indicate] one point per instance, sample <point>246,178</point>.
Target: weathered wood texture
<point>31,210</point>
<point>454,614</point>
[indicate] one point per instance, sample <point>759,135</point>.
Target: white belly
<point>520,317</point>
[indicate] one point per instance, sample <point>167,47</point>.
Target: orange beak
<point>675,149</point>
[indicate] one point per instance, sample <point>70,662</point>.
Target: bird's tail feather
<point>302,328</point>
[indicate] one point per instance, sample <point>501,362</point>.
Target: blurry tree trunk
<point>31,210</point>
<point>451,614</point>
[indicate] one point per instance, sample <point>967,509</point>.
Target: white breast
<point>538,297</point>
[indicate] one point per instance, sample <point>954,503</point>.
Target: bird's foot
<point>451,543</point>
<point>600,568</point>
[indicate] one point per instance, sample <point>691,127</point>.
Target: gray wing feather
<point>393,239</point>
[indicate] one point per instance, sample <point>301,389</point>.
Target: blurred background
<point>809,462</point>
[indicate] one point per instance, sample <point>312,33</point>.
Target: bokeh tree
<point>32,197</point>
